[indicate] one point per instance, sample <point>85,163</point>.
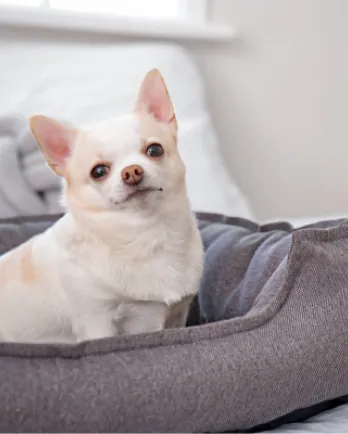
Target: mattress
<point>331,421</point>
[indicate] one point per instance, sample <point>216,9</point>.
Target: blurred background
<point>260,89</point>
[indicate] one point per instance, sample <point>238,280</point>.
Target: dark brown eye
<point>155,150</point>
<point>100,171</point>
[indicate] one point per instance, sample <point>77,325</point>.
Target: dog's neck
<point>129,232</point>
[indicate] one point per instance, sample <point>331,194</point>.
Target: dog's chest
<point>166,274</point>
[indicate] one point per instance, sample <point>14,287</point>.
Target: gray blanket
<point>27,185</point>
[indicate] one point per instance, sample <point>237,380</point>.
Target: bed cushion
<point>268,336</point>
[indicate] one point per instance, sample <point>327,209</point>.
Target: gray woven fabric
<point>277,303</point>
<point>27,184</point>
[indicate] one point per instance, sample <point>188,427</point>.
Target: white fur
<point>121,270</point>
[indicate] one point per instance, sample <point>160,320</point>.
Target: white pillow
<point>86,83</point>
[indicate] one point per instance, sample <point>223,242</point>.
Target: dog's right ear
<point>54,140</point>
<point>153,97</point>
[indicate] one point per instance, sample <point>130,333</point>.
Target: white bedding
<point>332,421</point>
<point>87,82</point>
<point>298,222</point>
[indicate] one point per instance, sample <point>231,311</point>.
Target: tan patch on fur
<point>28,269</point>
<point>18,265</point>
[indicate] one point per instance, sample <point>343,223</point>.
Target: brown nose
<point>132,175</point>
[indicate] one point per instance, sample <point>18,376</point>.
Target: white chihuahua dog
<point>127,256</point>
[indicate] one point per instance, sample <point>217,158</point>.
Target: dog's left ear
<point>54,140</point>
<point>154,98</point>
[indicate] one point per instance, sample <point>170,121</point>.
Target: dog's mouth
<point>140,192</point>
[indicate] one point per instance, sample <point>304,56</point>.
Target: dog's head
<point>122,164</point>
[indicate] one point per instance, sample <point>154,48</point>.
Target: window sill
<point>57,20</point>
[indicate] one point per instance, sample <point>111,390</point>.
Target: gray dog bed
<point>268,336</point>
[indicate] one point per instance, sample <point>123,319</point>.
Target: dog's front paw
<point>141,317</point>
<point>93,327</point>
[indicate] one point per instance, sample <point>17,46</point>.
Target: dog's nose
<point>132,175</point>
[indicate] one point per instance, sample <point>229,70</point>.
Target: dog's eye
<point>100,171</point>
<point>155,150</point>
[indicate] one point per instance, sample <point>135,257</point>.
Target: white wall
<point>280,101</point>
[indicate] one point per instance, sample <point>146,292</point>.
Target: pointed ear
<point>154,98</point>
<point>54,140</point>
